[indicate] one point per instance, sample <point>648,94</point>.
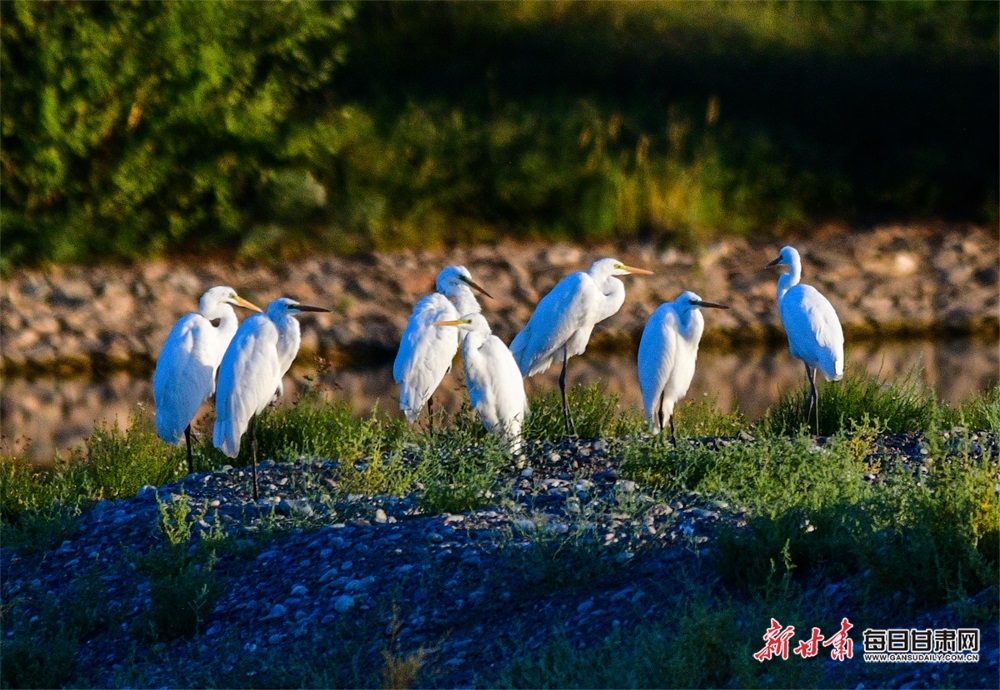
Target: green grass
<point>596,414</point>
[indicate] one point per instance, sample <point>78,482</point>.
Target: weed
<point>40,530</point>
<point>899,405</point>
<point>183,586</point>
<point>550,557</point>
<point>401,670</point>
<point>458,476</point>
<point>118,463</point>
<point>596,413</point>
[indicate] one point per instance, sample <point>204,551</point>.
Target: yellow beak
<point>247,304</point>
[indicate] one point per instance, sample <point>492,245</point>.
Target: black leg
<point>253,453</point>
<point>187,437</point>
<point>811,375</point>
<point>430,410</point>
<point>815,392</point>
<point>673,434</point>
<point>570,426</point>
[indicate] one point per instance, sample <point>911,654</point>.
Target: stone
<point>343,603</point>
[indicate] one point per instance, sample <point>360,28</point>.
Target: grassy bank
<point>918,531</point>
<point>347,127</point>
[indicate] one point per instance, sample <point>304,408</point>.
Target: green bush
<point>134,127</point>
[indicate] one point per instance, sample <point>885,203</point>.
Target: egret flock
<point>250,361</point>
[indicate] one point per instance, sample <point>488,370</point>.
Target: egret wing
<point>657,357</point>
<point>184,376</point>
<point>814,332</point>
<point>567,309</point>
<point>425,353</point>
<point>249,375</point>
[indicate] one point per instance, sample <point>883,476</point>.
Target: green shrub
<point>137,127</point>
<point>134,129</point>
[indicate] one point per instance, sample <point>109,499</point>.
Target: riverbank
<point>891,281</point>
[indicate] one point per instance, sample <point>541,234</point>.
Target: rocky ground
<point>885,281</point>
<point>306,570</point>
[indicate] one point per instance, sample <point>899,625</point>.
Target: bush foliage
<point>133,129</point>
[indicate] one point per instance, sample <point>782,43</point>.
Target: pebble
<point>277,611</point>
<point>343,603</point>
<point>404,562</point>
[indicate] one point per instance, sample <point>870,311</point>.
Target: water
<point>57,414</point>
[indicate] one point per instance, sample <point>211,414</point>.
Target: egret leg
<point>673,434</point>
<point>813,397</point>
<point>430,410</point>
<point>187,438</point>
<point>570,426</point>
<point>816,396</point>
<point>253,453</point>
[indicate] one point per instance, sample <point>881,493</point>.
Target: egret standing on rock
<point>426,353</point>
<point>186,367</point>
<point>814,332</point>
<point>668,351</point>
<point>564,319</point>
<point>250,374</point>
<point>496,388</point>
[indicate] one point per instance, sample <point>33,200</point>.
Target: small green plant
<point>551,557</point>
<point>402,670</point>
<point>183,585</point>
<point>459,472</point>
<point>596,413</point>
<point>118,463</point>
<point>40,529</point>
<point>899,405</point>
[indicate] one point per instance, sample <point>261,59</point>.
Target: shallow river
<point>57,414</point>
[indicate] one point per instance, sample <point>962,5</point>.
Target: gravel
<point>463,585</point>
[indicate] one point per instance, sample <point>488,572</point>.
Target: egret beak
<point>305,307</point>
<point>474,286</point>
<point>775,262</point>
<point>711,305</point>
<point>455,322</point>
<point>637,271</point>
<point>247,304</point>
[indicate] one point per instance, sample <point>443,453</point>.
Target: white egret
<point>496,388</point>
<point>426,353</point>
<point>564,319</point>
<point>814,332</point>
<point>186,367</point>
<point>250,374</point>
<point>668,351</point>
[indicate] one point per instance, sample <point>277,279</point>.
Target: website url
<point>909,657</point>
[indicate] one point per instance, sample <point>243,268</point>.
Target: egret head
<point>453,277</point>
<point>788,256</point>
<point>603,268</point>
<point>223,294</point>
<point>690,300</point>
<point>470,322</point>
<point>286,305</point>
